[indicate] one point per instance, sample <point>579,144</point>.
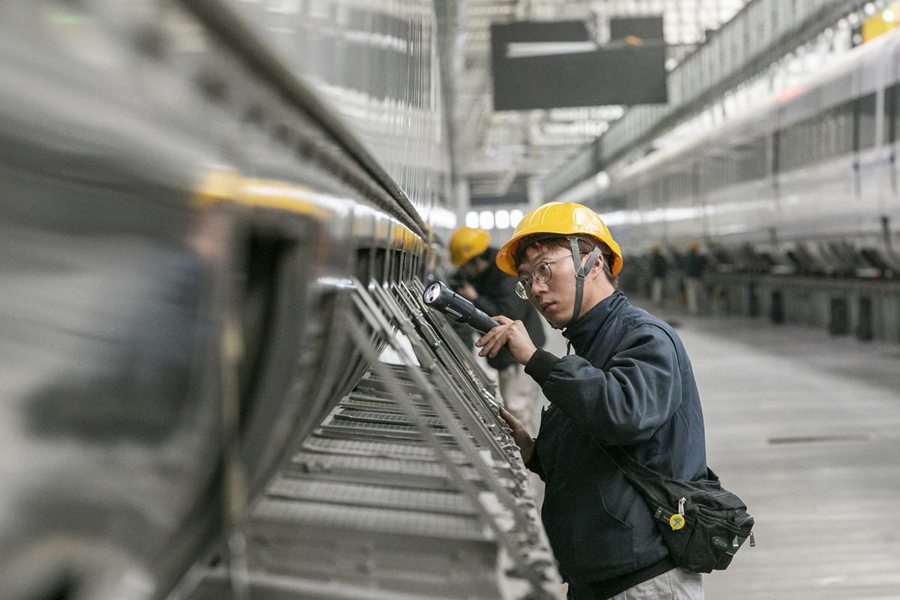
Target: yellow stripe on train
<point>229,186</point>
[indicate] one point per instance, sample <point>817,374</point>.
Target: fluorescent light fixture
<point>527,49</point>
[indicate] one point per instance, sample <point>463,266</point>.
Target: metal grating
<point>371,495</point>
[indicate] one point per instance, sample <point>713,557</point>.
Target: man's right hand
<point>520,435</point>
<point>511,334</point>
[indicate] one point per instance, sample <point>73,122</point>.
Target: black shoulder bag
<point>702,523</point>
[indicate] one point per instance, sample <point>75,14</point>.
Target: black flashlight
<point>439,296</point>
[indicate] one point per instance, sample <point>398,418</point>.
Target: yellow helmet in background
<point>466,243</point>
<point>565,219</point>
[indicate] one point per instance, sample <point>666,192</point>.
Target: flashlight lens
<point>432,292</point>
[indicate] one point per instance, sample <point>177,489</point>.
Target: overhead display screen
<point>555,64</point>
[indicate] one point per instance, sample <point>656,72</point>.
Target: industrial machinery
<point>218,377</point>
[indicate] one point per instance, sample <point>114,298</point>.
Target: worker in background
<point>658,269</point>
<point>493,291</point>
<point>629,384</point>
<point>694,264</point>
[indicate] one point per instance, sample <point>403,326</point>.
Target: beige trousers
<point>676,584</point>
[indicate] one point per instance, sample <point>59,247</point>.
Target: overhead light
<point>441,217</point>
<point>527,49</point>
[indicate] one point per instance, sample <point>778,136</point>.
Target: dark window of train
<point>865,121</point>
<point>833,133</point>
<point>845,123</point>
<point>254,115</point>
<point>398,263</point>
<point>264,257</point>
<point>707,174</point>
<point>822,144</point>
<point>379,264</point>
<point>895,113</point>
<point>364,265</point>
<point>890,108</point>
<point>150,41</point>
<point>832,140</point>
<point>751,160</point>
<point>785,152</point>
<point>213,86</point>
<point>282,134</point>
<point>776,152</point>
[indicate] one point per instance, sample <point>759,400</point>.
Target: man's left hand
<point>520,435</point>
<point>511,334</point>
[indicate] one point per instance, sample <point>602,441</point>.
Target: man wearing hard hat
<point>493,291</point>
<point>629,384</point>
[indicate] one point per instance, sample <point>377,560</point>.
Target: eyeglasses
<point>540,273</point>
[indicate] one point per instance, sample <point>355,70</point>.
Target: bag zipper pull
<point>676,522</point>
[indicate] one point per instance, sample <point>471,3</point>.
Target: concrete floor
<point>806,429</point>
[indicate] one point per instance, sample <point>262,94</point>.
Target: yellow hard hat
<point>565,219</point>
<point>466,243</point>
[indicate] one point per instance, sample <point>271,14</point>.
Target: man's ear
<point>598,266</point>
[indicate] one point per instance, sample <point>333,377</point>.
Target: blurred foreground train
<point>797,200</point>
<point>202,266</point>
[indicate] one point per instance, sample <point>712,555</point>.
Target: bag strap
<point>632,468</point>
<point>626,463</point>
<point>645,480</point>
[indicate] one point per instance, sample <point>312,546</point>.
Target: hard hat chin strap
<point>581,270</point>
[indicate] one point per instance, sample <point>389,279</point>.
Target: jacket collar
<point>583,331</point>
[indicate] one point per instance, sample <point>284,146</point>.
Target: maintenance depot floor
<point>805,427</point>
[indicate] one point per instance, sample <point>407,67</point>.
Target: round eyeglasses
<point>540,273</point>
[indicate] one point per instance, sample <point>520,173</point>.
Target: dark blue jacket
<point>630,385</point>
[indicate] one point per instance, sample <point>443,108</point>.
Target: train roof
<point>758,120</point>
